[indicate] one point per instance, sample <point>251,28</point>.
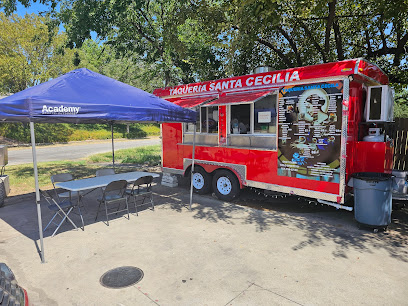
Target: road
<point>73,151</point>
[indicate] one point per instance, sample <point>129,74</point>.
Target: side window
<point>265,115</point>
<point>189,127</point>
<point>240,119</point>
<point>212,119</point>
<point>209,119</point>
<point>203,118</point>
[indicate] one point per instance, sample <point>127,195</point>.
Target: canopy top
<point>84,96</point>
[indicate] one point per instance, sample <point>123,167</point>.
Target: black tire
<point>2,193</point>
<point>225,185</point>
<point>201,181</point>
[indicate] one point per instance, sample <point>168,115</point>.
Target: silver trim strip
<point>227,147</point>
<point>356,66</point>
<point>343,149</point>
<point>292,190</point>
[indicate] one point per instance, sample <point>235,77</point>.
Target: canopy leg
<point>37,192</point>
<point>192,166</point>
<point>113,148</point>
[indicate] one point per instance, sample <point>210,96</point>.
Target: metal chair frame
<point>114,192</point>
<point>142,188</point>
<point>61,177</point>
<point>62,209</point>
<point>66,177</point>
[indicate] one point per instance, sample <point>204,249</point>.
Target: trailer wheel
<point>225,185</point>
<point>201,181</point>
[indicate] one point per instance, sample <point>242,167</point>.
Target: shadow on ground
<point>318,224</point>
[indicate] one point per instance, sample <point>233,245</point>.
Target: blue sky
<point>34,8</point>
<point>38,8</point>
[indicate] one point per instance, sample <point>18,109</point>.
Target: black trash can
<point>372,198</point>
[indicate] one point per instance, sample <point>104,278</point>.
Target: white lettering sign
<point>60,110</point>
<point>264,117</point>
<point>236,83</point>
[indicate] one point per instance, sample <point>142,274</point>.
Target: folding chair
<point>142,188</point>
<point>103,172</point>
<point>114,192</point>
<point>61,177</point>
<point>65,177</point>
<point>61,209</point>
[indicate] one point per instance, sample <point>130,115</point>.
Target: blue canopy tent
<point>83,96</point>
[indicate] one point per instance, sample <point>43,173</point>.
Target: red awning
<point>190,101</point>
<point>242,97</point>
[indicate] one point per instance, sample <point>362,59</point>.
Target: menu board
<point>309,131</point>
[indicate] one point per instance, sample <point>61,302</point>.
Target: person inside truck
<point>242,128</point>
<point>240,113</point>
<point>238,127</point>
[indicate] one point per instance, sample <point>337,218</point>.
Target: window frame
<point>276,116</point>
<point>252,117</point>
<point>200,127</point>
<point>185,125</point>
<point>228,114</point>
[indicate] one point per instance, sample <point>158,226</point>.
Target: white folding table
<point>101,181</point>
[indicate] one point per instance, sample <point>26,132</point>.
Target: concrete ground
<point>282,252</point>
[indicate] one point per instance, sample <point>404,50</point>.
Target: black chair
<point>114,193</point>
<point>61,209</point>
<point>142,190</point>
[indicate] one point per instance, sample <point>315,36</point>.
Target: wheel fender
<point>211,168</point>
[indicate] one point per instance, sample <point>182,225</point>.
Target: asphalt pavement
<point>73,151</point>
<point>218,253</point>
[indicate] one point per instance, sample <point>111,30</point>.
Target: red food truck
<point>301,131</point>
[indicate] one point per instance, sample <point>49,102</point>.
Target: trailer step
<point>338,206</point>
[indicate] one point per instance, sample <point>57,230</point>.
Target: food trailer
<point>302,131</point>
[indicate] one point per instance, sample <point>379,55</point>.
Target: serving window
<point>253,124</point>
<point>206,127</point>
<point>265,115</point>
<point>251,121</point>
<point>258,117</point>
<point>240,119</point>
<point>189,127</point>
<point>209,119</point>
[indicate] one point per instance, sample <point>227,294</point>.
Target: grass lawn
<point>22,176</point>
<point>148,154</point>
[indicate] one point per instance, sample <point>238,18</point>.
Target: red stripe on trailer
<point>191,101</point>
<point>240,97</point>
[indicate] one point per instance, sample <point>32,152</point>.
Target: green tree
<point>207,39</point>
<point>130,69</point>
<point>44,132</point>
<point>401,104</point>
<point>296,33</point>
<point>31,52</point>
<point>165,34</point>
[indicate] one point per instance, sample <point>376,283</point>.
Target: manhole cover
<point>121,277</point>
